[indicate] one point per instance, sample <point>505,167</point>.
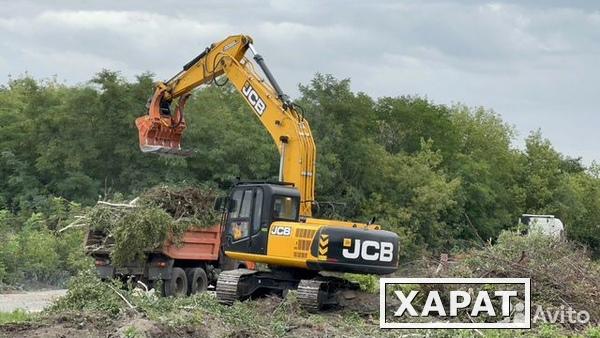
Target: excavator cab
<point>263,224</point>
<point>252,208</point>
<point>160,130</point>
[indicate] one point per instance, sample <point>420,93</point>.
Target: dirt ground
<point>31,301</point>
<point>137,325</point>
<point>74,325</point>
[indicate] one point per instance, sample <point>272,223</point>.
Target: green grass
<point>267,317</point>
<point>368,283</point>
<point>593,332</point>
<point>15,317</point>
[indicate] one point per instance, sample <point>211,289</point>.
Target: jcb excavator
<point>270,222</point>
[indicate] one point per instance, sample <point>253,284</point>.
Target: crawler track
<point>309,294</point>
<point>227,285</point>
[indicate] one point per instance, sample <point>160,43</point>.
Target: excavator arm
<point>160,130</point>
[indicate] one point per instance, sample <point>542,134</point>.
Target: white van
<point>545,224</point>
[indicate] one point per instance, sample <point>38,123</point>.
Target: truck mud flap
<point>160,268</point>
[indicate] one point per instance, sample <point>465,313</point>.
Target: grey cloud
<point>534,62</point>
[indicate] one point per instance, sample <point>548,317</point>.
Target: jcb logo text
<point>255,101</point>
<point>368,250</point>
<point>281,231</point>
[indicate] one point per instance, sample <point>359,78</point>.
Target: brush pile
<point>129,230</point>
<point>562,273</point>
<point>193,205</point>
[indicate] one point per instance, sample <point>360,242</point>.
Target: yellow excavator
<point>270,222</point>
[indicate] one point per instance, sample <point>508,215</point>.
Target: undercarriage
<point>314,291</point>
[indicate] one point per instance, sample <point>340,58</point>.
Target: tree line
<point>443,177</point>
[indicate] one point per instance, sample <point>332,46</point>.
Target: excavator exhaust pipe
<point>160,131</point>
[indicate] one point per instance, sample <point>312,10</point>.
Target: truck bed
<point>196,244</point>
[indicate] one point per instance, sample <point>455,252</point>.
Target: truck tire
<point>197,280</point>
<point>177,286</point>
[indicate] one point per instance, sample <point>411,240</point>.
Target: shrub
<point>38,257</point>
<point>562,273</point>
<point>9,258</point>
<point>88,293</point>
<point>368,283</point>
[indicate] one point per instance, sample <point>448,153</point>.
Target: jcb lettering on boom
<point>368,250</point>
<point>255,101</point>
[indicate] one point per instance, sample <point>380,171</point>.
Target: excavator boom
<point>160,131</point>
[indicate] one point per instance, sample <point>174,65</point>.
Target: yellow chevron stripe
<point>323,247</point>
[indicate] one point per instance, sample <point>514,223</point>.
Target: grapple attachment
<point>160,131</point>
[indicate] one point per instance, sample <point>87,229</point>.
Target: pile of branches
<point>128,231</point>
<point>193,205</point>
<point>562,273</point>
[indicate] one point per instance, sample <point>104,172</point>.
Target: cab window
<point>239,216</point>
<point>285,208</point>
<point>257,211</point>
<point>236,203</point>
<point>246,204</point>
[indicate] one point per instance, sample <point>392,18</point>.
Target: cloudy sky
<point>537,63</point>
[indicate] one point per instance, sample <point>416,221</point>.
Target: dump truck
<point>189,266</point>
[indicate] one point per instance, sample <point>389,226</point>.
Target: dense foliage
<point>441,176</point>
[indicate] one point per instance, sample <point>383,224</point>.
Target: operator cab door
<point>244,225</point>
